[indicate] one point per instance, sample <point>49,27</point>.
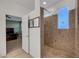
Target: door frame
<point>42,30</point>
<point>6,27</point>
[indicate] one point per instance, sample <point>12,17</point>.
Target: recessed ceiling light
<point>44,3</point>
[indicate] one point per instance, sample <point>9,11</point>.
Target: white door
<point>25,34</point>
<point>2,34</point>
<point>35,45</point>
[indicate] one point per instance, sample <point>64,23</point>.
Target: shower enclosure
<point>58,32</point>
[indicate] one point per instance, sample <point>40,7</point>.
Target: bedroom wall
<point>14,24</point>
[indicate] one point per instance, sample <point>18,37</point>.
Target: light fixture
<point>44,3</point>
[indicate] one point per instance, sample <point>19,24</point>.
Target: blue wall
<point>14,24</point>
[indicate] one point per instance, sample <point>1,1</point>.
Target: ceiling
<point>50,3</point>
<point>25,3</point>
<point>30,3</point>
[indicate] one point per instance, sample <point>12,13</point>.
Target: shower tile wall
<point>60,39</point>
<point>48,30</point>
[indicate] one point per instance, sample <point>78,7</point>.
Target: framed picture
<point>31,23</point>
<point>34,23</point>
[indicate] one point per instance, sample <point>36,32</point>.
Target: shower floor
<point>50,52</point>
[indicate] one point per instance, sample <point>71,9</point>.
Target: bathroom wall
<point>77,39</point>
<point>60,39</point>
<point>47,27</point>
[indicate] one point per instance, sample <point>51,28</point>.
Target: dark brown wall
<point>60,39</point>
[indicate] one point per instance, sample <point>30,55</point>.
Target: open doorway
<point>13,33</point>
